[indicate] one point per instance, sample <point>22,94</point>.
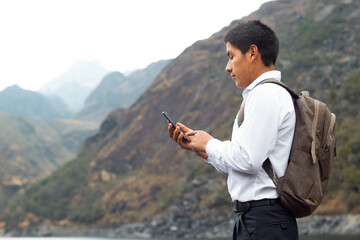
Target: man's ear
<point>253,51</point>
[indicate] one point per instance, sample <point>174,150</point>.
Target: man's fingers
<point>176,134</point>
<point>171,130</point>
<point>191,133</point>
<point>179,139</point>
<point>183,127</point>
<point>183,143</point>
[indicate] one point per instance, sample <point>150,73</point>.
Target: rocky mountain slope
<point>130,172</point>
<point>31,149</point>
<point>17,101</point>
<point>118,91</point>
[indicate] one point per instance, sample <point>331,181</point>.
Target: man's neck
<point>264,69</point>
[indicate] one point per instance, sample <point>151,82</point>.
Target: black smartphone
<point>172,123</point>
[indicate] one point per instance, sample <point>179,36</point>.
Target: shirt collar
<point>266,75</point>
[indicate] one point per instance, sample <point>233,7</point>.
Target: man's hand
<point>197,139</point>
<point>178,135</point>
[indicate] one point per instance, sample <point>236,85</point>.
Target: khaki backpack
<point>312,153</point>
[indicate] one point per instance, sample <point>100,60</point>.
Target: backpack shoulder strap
<point>290,91</point>
<point>267,165</point>
<point>270,80</point>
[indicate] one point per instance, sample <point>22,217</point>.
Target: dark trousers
<point>265,223</point>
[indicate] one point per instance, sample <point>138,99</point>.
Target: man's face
<point>238,66</point>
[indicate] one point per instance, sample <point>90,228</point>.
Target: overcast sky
<point>41,39</point>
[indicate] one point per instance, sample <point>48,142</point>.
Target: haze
<point>41,39</point>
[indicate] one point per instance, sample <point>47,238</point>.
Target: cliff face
<point>130,171</point>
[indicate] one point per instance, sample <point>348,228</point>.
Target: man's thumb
<point>183,127</point>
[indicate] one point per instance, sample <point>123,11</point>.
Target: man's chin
<point>238,84</point>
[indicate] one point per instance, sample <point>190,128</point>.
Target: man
<point>266,132</point>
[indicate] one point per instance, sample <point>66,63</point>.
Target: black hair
<point>254,32</point>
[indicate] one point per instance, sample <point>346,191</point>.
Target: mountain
<point>132,178</point>
<point>17,101</point>
<point>73,133</point>
<point>118,91</point>
<point>31,149</point>
<point>76,84</point>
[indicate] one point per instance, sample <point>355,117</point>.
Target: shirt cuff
<point>211,149</point>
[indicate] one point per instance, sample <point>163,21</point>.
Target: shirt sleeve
<point>253,141</point>
<point>213,149</point>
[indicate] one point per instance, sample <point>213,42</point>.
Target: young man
<point>266,132</point>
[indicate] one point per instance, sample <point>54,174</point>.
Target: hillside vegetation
<point>31,149</point>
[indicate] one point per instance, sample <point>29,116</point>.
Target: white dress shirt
<point>266,132</point>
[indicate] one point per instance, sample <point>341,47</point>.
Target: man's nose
<point>228,67</point>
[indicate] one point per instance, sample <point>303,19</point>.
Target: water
<point>324,237</point>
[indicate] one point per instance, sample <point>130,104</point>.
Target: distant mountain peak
<point>119,91</point>
<point>13,87</point>
<point>74,85</point>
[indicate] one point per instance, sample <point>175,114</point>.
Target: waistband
<point>244,206</point>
